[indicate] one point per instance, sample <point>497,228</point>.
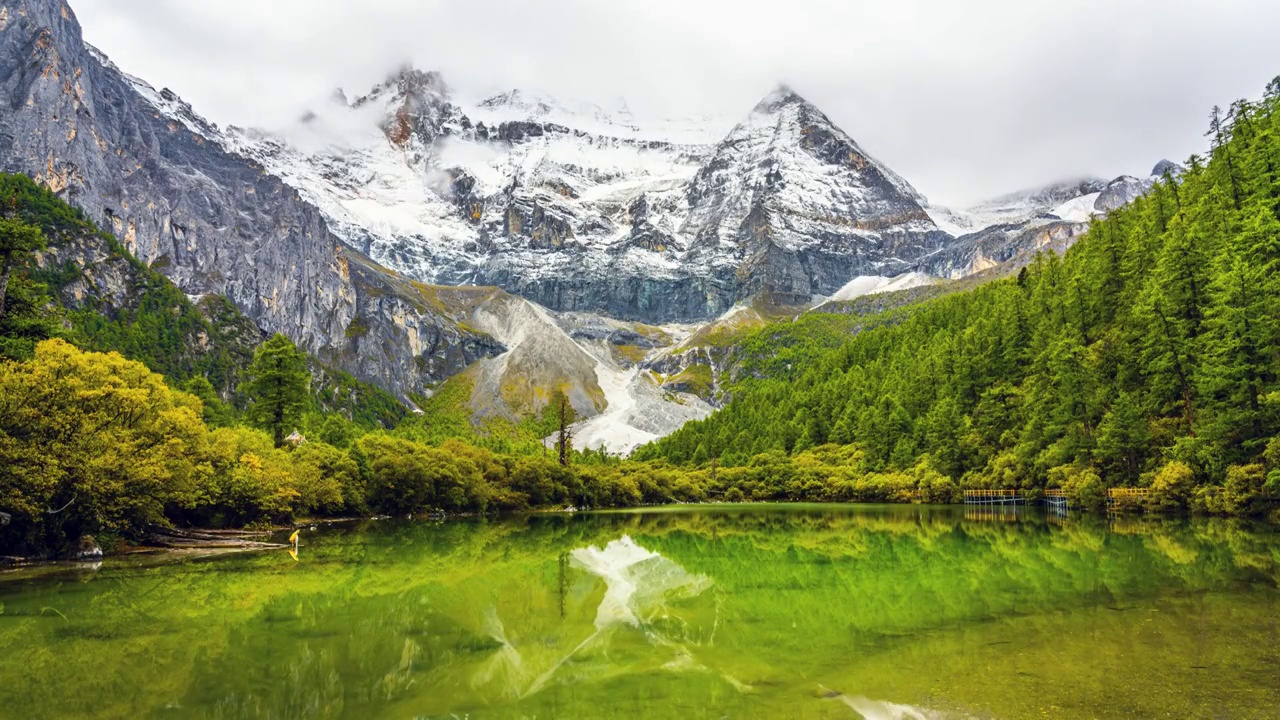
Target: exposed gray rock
<point>577,287</point>
<point>211,221</point>
<point>1167,167</point>
<point>1008,246</point>
<point>632,338</point>
<point>1122,191</point>
<point>85,271</point>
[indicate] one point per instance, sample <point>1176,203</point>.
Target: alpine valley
<point>513,246</point>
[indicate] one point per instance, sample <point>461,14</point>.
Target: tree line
<point>1147,356</point>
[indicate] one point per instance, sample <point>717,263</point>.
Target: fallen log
<point>211,539</point>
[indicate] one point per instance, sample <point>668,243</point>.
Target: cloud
<point>965,99</point>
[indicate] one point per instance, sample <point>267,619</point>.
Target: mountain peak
<point>779,97</point>
<point>409,80</point>
<point>1166,166</point>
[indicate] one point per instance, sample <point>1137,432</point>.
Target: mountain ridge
<point>335,231</point>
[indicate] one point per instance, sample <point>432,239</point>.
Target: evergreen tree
<point>564,439</point>
<point>26,313</point>
<point>277,386</point>
<point>18,240</point>
<point>216,413</point>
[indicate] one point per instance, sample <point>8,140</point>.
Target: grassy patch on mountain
<point>449,414</point>
<point>695,380</point>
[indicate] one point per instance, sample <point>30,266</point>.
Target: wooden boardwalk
<point>1006,503</point>
<point>1119,499</point>
<point>994,497</point>
<point>994,513</point>
<point>1055,499</point>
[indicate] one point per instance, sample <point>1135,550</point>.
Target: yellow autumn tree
<point>92,443</point>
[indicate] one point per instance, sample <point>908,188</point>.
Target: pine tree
<point>1235,369</point>
<point>1123,440</point>
<point>18,241</point>
<point>277,387</point>
<point>563,438</point>
<point>26,315</point>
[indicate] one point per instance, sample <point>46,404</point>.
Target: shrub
<point>935,487</point>
<point>252,481</point>
<point>1243,493</point>
<point>1082,486</point>
<point>1172,489</point>
<point>328,480</point>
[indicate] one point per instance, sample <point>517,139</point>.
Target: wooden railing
<point>992,493</point>
<point>1128,493</point>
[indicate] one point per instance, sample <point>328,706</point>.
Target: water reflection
<point>640,586</point>
<point>869,709</point>
<point>707,612</point>
<point>640,582</point>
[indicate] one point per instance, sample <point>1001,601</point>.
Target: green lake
<point>732,611</point>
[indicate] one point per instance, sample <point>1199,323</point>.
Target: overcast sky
<point>965,98</point>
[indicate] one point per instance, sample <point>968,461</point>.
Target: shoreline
<point>207,542</point>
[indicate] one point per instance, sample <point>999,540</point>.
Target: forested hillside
<point>108,300</point>
<point>1147,355</point>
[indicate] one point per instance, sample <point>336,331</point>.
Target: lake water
<point>760,611</point>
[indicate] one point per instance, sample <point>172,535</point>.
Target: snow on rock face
<point>1006,246</point>
<point>1013,208</point>
<point>1122,191</point>
<point>1079,210</point>
<point>570,205</point>
<point>802,205</point>
<point>1009,230</point>
<point>582,208</point>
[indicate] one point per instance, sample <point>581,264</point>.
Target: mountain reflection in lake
<point>738,611</point>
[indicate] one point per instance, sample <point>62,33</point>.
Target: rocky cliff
<point>144,165</point>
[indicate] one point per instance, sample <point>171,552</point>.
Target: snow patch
<point>875,284</point>
<point>638,410</point>
<point>1079,210</point>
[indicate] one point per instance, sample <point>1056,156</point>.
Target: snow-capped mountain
<point>590,209</point>
<point>1007,231</point>
<point>582,208</point>
<point>412,234</point>
<point>596,221</point>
